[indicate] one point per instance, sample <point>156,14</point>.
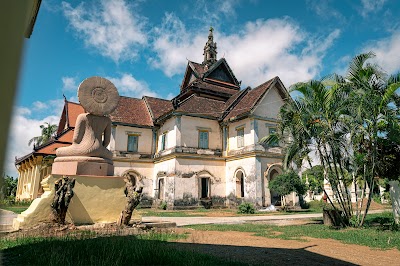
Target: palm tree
<point>47,132</point>
<point>341,119</point>
<point>374,118</point>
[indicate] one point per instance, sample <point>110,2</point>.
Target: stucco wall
<point>255,185</point>
<point>190,132</point>
<point>145,170</point>
<point>270,104</point>
<point>169,128</point>
<point>190,170</point>
<point>264,126</point>
<point>248,136</point>
<point>121,138</point>
<point>248,167</point>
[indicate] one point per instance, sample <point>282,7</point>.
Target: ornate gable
<point>221,71</point>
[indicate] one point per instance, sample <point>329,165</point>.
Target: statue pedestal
<point>82,166</point>
<point>97,199</point>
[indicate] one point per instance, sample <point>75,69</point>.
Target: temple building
<point>201,147</point>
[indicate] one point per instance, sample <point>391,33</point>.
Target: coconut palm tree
<point>47,132</point>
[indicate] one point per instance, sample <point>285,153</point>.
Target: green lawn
<point>373,235</point>
<point>86,249</point>
<point>15,209</point>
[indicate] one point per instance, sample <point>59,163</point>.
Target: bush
<point>246,208</point>
<point>163,205</point>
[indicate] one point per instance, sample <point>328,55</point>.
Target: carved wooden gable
<point>222,72</point>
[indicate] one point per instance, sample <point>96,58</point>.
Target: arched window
<point>239,184</point>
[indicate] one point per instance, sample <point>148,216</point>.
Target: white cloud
<point>371,6</point>
<point>325,10</point>
<point>51,107</point>
<point>69,83</point>
<point>387,52</point>
<point>111,28</point>
<point>211,12</point>
<point>22,129</point>
<point>259,51</point>
<point>127,85</point>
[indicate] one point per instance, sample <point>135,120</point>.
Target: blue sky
<point>143,47</point>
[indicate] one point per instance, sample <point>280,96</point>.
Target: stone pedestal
<point>80,165</point>
<point>97,199</point>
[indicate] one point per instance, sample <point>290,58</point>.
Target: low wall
<point>97,199</point>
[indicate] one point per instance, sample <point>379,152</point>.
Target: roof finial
<point>210,49</point>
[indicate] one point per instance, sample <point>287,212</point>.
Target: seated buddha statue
<point>99,97</point>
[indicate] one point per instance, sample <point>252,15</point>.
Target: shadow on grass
<point>113,250</point>
<point>129,250</point>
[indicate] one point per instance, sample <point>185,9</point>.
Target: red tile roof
<point>202,106</point>
<point>66,136</point>
<point>74,109</point>
<point>158,107</point>
<point>249,100</point>
<point>213,87</point>
<point>199,68</point>
<point>51,149</point>
<point>131,111</point>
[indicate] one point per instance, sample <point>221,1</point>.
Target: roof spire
<point>210,50</point>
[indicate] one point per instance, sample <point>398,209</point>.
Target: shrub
<point>246,208</point>
<point>163,205</point>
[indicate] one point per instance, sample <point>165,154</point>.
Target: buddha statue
<point>99,97</point>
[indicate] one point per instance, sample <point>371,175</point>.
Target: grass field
<point>375,234</point>
<point>87,249</point>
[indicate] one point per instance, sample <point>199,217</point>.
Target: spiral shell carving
<point>98,96</point>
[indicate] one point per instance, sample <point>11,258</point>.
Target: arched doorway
<point>275,197</point>
<point>270,196</point>
<point>239,176</point>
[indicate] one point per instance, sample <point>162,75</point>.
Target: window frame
<point>272,130</point>
<point>135,146</point>
<point>239,138</point>
<point>207,132</point>
<point>163,145</point>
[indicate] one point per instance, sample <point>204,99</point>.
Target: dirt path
<point>255,250</point>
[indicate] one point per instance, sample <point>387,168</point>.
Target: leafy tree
<point>286,183</point>
<point>47,132</point>
<point>315,178</point>
<point>9,186</point>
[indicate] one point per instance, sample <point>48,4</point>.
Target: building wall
<point>191,170</point>
<point>143,169</point>
<point>120,138</point>
<point>190,132</point>
<point>248,136</point>
<point>270,105</point>
<point>169,128</point>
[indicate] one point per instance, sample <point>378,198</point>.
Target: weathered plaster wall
<point>169,128</point>
<point>249,168</point>
<point>191,170</point>
<point>270,105</point>
<point>144,169</point>
<point>166,170</point>
<point>190,132</point>
<point>248,136</point>
<point>264,126</point>
<point>121,138</point>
